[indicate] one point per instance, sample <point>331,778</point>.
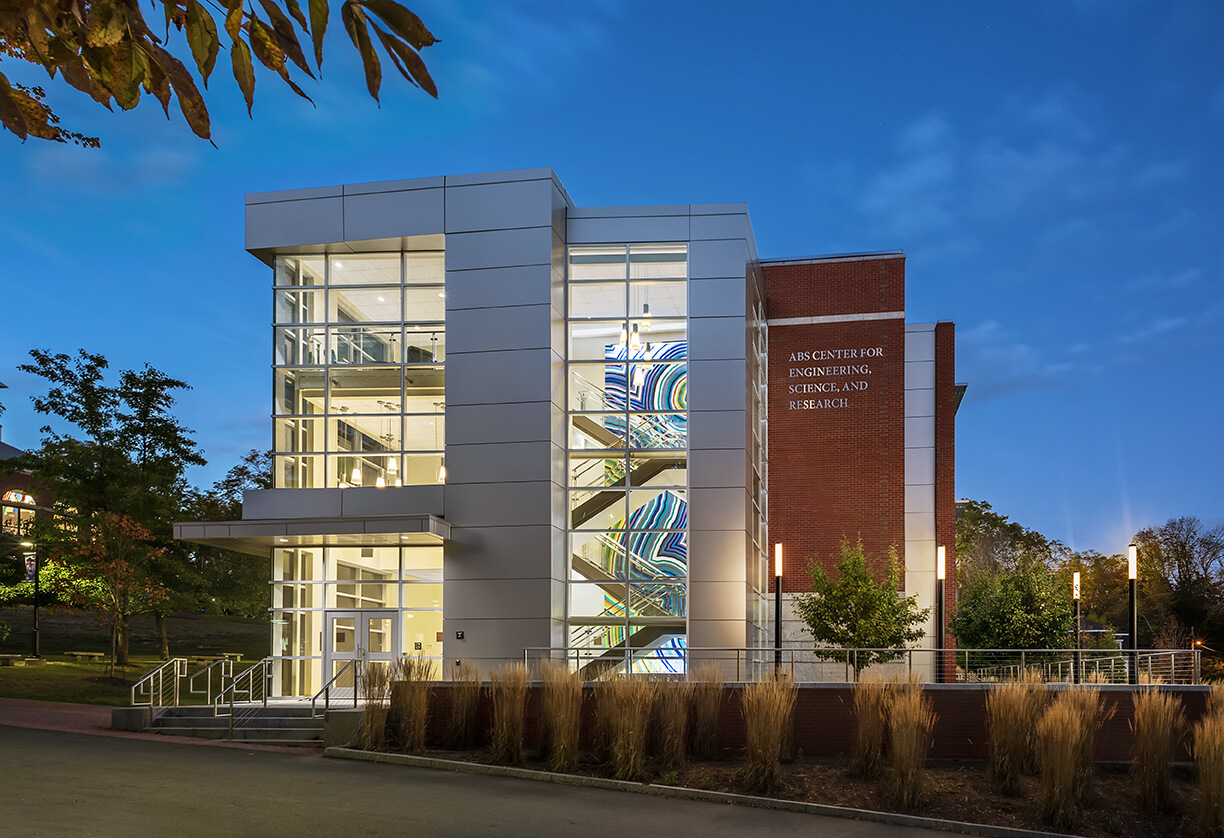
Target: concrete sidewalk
<point>95,720</point>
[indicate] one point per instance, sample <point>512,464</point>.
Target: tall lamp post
<point>940,576</point>
<point>1075,596</point>
<point>1132,571</point>
<point>778,607</point>
<point>36,655</point>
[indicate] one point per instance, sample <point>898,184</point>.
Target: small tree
<point>1024,609</point>
<point>857,612</point>
<point>108,568</point>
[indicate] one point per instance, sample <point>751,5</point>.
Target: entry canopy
<point>259,537</point>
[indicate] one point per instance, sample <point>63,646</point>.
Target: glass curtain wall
<point>360,351</point>
<point>627,361</point>
<point>760,608</point>
<point>308,582</point>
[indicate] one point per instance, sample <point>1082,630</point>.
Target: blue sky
<point>1051,169</point>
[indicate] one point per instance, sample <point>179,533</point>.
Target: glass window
<point>658,261</point>
<point>299,270</point>
<point>425,303</point>
<point>425,268</point>
<point>367,269</point>
<point>597,299</point>
<point>595,263</point>
<point>364,305</point>
<point>299,306</point>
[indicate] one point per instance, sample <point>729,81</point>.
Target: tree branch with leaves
<point>107,50</point>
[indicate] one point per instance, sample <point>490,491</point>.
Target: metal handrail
<point>1174,666</point>
<point>225,675</point>
<point>355,663</point>
<point>242,689</point>
<point>153,686</point>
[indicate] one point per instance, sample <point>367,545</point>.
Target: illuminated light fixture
<point>778,560</point>
<point>442,465</point>
<point>380,482</point>
<point>381,300</point>
<point>399,481</point>
<point>1075,586</point>
<point>339,265</point>
<point>624,336</point>
<point>392,466</point>
<point>442,471</point>
<point>639,376</point>
<point>940,566</point>
<point>442,294</point>
<point>1132,562</point>
<point>27,544</point>
<point>355,477</point>
<point>343,485</point>
<point>645,317</point>
<point>635,339</point>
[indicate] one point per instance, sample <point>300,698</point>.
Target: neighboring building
<point>21,496</point>
<point>503,422</point>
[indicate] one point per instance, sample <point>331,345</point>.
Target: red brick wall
<point>836,453</point>
<point>824,723</point>
<point>945,466</point>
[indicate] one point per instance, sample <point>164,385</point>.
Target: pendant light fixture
<point>437,419</point>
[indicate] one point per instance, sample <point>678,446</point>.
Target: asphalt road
<point>67,784</point>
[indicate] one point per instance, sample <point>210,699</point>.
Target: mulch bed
<point>958,791</point>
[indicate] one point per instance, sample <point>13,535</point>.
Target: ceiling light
<point>380,482</point>
<point>355,479</point>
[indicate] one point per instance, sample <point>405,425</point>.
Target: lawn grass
<point>63,679</point>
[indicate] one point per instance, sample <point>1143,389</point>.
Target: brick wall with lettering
<point>836,410</point>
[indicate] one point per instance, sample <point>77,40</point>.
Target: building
<point>505,422</point>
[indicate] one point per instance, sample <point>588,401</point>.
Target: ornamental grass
<point>671,722</point>
<point>911,721</point>
<point>560,715</point>
<point>1209,752</point>
<point>708,694</point>
<point>1066,735</point>
<point>870,715</point>
<point>508,686</point>
<point>1012,711</point>
<point>622,710</point>
<point>768,707</point>
<point>1158,722</point>
<point>464,701</point>
<point>372,729</point>
<point>412,682</point>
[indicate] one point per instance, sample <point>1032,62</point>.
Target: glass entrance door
<point>369,636</point>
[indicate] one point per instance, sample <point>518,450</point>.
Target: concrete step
<point>209,721</point>
<point>254,735</point>
<point>277,711</point>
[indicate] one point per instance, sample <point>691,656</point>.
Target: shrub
<point>412,680</point>
<point>623,713</point>
<point>560,714</point>
<point>371,732</point>
<point>1157,725</point>
<point>671,721</point>
<point>465,697</point>
<point>768,706</point>
<point>870,707</point>
<point>911,721</point>
<point>1215,701</point>
<point>1012,710</point>
<point>708,691</point>
<point>1209,752</point>
<point>508,686</point>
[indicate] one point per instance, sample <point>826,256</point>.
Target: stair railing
<point>224,669</point>
<point>247,687</point>
<point>161,684</point>
<point>325,693</point>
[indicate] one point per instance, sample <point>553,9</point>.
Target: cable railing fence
<point>837,665</point>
